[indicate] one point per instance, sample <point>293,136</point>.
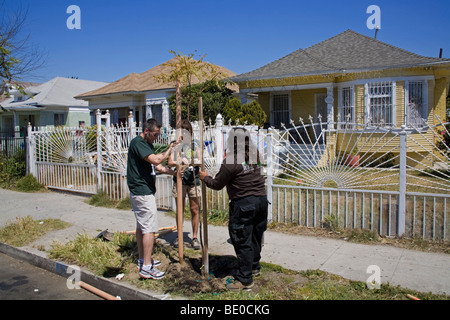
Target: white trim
<point>425,103</point>
<point>352,102</point>
<point>288,88</point>
<point>77,109</point>
<point>389,79</point>
<point>393,98</point>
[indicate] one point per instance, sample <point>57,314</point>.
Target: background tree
<point>18,57</point>
<point>215,96</point>
<point>185,72</point>
<point>252,113</point>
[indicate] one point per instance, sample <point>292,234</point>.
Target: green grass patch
<point>25,230</point>
<point>100,199</point>
<point>94,253</point>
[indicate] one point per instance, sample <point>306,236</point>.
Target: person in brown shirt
<point>241,173</point>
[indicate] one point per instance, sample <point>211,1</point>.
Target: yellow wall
<point>303,104</point>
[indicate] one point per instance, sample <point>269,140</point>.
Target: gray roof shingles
<point>347,51</point>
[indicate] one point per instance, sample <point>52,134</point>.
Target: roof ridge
<point>388,45</point>
<point>335,36</point>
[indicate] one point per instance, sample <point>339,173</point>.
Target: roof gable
<point>347,51</point>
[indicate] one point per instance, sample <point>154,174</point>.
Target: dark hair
<point>186,125</point>
<point>150,125</point>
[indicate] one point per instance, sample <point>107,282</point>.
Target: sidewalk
<point>421,271</point>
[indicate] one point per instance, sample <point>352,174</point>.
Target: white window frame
<point>423,112</point>
<point>381,95</point>
<point>342,105</point>
<point>272,111</point>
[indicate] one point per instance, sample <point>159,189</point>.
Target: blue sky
<point>120,37</point>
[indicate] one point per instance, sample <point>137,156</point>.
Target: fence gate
<point>88,160</point>
<point>393,181</point>
<point>64,158</point>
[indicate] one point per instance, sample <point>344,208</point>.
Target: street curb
<point>123,290</point>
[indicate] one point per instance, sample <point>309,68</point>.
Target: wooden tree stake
<point>204,202</point>
<point>179,177</point>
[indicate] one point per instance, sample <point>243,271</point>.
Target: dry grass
<point>25,230</point>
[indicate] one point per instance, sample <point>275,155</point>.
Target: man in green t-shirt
<point>141,179</point>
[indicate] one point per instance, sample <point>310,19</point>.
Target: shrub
<point>251,112</point>
<point>12,169</point>
<point>29,184</point>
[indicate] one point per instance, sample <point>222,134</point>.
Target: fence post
<point>401,217</point>
<point>269,172</point>
<point>30,152</point>
<point>219,141</point>
<point>131,125</point>
<point>99,149</point>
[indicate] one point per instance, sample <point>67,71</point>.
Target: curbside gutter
<point>124,290</point>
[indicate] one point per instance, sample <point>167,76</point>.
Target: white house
<point>49,104</point>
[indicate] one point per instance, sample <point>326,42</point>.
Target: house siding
<point>303,104</point>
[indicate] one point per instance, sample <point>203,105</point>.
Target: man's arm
<point>219,181</point>
<point>157,159</point>
<point>165,170</point>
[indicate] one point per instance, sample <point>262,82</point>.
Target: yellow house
<point>354,78</point>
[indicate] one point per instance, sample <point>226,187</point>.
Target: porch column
<point>148,112</point>
<point>165,114</point>
<point>330,107</point>
<point>16,126</point>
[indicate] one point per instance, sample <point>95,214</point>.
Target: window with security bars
<point>280,109</point>
<point>346,108</point>
<point>415,111</point>
<point>380,100</point>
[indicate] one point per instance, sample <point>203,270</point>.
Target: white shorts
<point>145,211</point>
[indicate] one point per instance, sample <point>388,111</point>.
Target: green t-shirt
<point>141,175</point>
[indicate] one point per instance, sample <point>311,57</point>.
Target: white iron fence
<point>350,175</point>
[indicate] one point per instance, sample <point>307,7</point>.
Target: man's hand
<point>203,175</point>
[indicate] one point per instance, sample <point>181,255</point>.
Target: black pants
<point>248,221</point>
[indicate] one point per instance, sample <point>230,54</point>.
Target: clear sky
<point>120,37</point>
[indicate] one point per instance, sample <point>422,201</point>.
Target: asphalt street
<point>20,280</point>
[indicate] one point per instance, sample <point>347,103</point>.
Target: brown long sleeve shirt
<point>241,180</point>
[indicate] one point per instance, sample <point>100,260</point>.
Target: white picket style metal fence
<point>398,187</point>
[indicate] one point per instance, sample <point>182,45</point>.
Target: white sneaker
<point>150,272</point>
<point>141,263</point>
